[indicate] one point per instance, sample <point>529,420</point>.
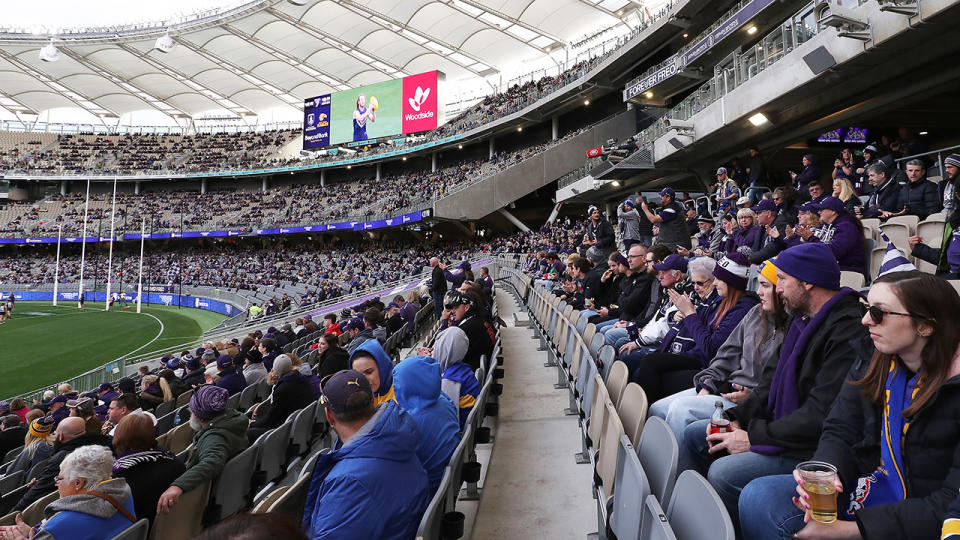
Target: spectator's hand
<point>773,232</point>
<point>208,378</point>
<point>628,347</point>
<point>793,175</point>
<point>424,351</point>
<point>734,442</point>
<point>683,304</point>
<point>620,324</point>
<point>738,395</point>
<point>703,392</point>
<point>699,252</point>
<point>683,251</point>
<point>914,240</point>
<point>603,312</point>
<point>16,532</point>
<point>168,499</point>
<point>838,162</point>
<point>837,530</point>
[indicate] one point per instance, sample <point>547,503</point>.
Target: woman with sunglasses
<point>892,431</point>
<point>700,331</point>
<point>735,369</point>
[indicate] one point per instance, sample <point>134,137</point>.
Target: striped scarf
<point>132,459</point>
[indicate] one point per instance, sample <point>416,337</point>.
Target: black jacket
<point>195,377</point>
<point>831,352</point>
<point>438,283</point>
<point>331,361</point>
<point>591,281</point>
<point>886,197</point>
<point>602,232</point>
<point>931,459</point>
<point>49,469</point>
<point>920,198</point>
<point>292,392</point>
<point>608,292</point>
<point>148,480</point>
<point>634,296</point>
<point>481,337</point>
<point>11,438</point>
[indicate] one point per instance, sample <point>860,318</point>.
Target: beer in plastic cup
<point>818,481</point>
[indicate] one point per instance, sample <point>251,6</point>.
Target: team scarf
<point>887,484</point>
<point>129,460</point>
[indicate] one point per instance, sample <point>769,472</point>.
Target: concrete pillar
<point>266,185</point>
<point>493,148</point>
<point>203,186</point>
<point>136,187</point>
<point>63,187</point>
<point>610,210</point>
<point>553,215</point>
<point>555,127</point>
<point>512,219</point>
<point>379,164</point>
<point>433,162</point>
<point>323,178</point>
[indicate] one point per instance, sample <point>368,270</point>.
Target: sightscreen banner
<point>385,109</point>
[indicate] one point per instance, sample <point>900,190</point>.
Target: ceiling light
<point>616,183</point>
<point>924,132</point>
<point>349,166</point>
<point>586,102</point>
<point>404,158</point>
<point>165,44</point>
<point>49,53</point>
<point>460,147</point>
<point>758,119</point>
<point>648,95</point>
<point>620,13</point>
<point>548,48</point>
<point>299,2</point>
<point>519,128</point>
<point>752,30</point>
<point>685,36</point>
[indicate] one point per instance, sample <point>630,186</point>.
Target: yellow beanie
<point>769,270</point>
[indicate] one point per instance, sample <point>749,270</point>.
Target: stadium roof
<point>246,59</point>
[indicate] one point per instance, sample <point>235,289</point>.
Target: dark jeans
<point>438,304</point>
<point>664,374</point>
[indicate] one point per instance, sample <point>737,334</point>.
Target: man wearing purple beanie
<point>779,423</point>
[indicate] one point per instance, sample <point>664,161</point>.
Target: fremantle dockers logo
<point>166,299</point>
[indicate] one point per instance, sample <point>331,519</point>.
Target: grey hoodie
<point>89,504</point>
<point>449,348</point>
<point>741,358</point>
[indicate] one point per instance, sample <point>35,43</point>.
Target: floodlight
<point>758,119</point>
<point>165,44</point>
<point>49,53</point>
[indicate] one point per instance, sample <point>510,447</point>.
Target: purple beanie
<point>813,263</point>
<point>208,402</point>
<point>733,269</point>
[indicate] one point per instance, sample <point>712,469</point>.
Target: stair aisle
<point>533,488</point>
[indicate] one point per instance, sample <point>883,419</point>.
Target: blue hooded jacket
<point>384,392</point>
<point>416,382</point>
<point>373,487</point>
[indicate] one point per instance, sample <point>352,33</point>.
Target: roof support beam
<point>477,5</point>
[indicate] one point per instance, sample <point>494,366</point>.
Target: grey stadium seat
<point>632,491</point>
<point>136,531</point>
<point>696,511</point>
<point>654,524</point>
<point>231,492</point>
<point>658,453</point>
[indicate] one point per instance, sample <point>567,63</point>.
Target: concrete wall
<point>499,190</point>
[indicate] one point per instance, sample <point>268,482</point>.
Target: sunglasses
<point>702,283</point>
<point>877,314</point>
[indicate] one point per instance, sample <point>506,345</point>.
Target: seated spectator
<point>370,330</point>
<point>19,407</point>
<point>671,273</point>
<point>70,434</point>
<point>843,190</point>
<point>884,201</point>
<point>268,349</point>
<point>408,312</point>
<point>195,372</point>
<point>691,343</point>
<point>735,369</point>
<point>459,381</point>
<point>772,223</point>
<point>147,469</point>
<point>12,433</point>
<point>777,426</point>
<point>291,392</point>
<point>253,369</point>
<point>416,382</point>
<point>894,483</point>
<point>37,445</point>
<point>372,484</point>
<point>220,435</point>
<point>748,235</point>
<point>464,310</point>
<point>91,503</point>
<point>151,394</point>
<point>485,281</point>
<point>230,377</point>
<point>631,305</point>
<point>332,358</point>
<point>844,234</point>
<point>919,196</point>
<point>393,322</point>
<point>121,406</point>
<point>372,361</point>
<point>815,190</point>
<point>170,381</point>
<point>330,324</point>
<point>307,372</point>
<point>709,238</point>
<point>83,407</point>
<point>57,408</point>
<point>947,257</point>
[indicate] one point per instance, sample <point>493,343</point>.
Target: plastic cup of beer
<point>819,481</point>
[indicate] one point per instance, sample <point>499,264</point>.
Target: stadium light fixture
<point>519,128</point>
<point>49,52</point>
<point>685,36</point>
<point>648,95</point>
<point>924,132</point>
<point>616,183</point>
<point>459,147</point>
<point>752,30</point>
<point>165,44</point>
<point>586,102</point>
<point>299,2</point>
<point>758,119</point>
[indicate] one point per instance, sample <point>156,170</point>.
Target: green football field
<point>44,345</point>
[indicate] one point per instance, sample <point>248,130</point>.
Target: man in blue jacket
<point>372,485</point>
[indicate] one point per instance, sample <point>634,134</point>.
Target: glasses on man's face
<point>633,256</point>
<point>877,314</point>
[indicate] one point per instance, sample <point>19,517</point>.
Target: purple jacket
<point>846,241</point>
<point>746,236</point>
<point>695,335</point>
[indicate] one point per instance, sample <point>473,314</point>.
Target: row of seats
<point>638,492</point>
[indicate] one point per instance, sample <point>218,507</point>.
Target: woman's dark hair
<point>932,301</point>
<point>332,317</point>
<point>134,433</point>
<point>475,293</point>
<point>787,194</point>
<point>246,526</point>
<point>247,343</point>
<point>332,340</point>
<point>269,344</point>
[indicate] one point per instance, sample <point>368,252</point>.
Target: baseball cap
<point>4,406</point>
<point>104,386</point>
<point>808,207</point>
<point>337,389</point>
<point>225,361</point>
<point>743,200</point>
<point>62,398</point>
<point>668,192</point>
<point>831,203</point>
<point>353,325</point>
<point>722,170</point>
<point>674,261</point>
<point>765,205</point>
